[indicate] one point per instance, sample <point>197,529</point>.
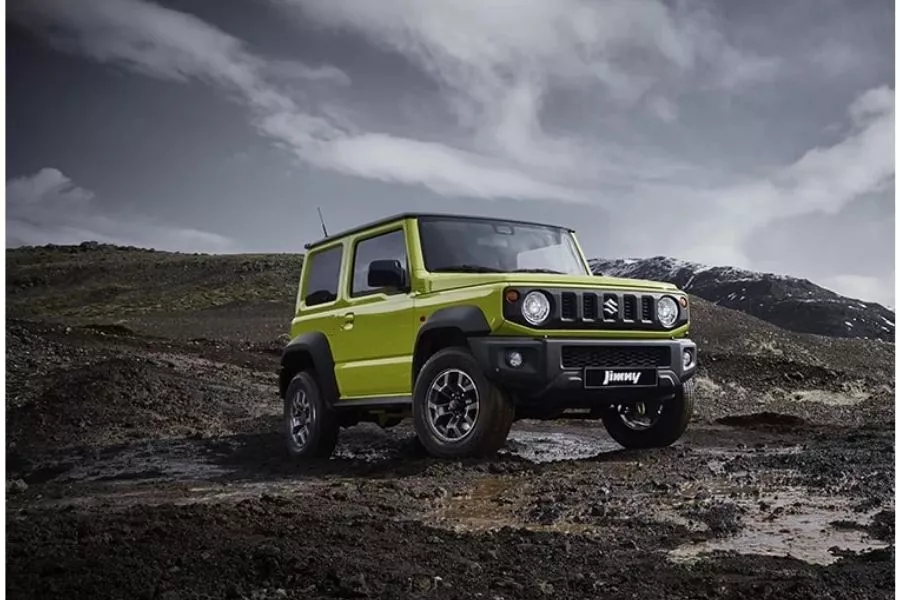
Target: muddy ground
<point>146,466</point>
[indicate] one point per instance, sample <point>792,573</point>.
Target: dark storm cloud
<point>712,124</point>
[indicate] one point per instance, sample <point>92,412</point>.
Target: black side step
<point>387,402</point>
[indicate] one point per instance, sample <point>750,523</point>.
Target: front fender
<point>310,349</point>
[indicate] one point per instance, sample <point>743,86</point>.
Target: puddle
<point>792,524</point>
<point>366,455</point>
<point>492,503</point>
<point>481,508</point>
<point>543,447</point>
<point>370,445</point>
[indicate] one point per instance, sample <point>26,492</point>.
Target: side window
<point>324,274</point>
<point>387,246</point>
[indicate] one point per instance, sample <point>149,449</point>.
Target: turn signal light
<point>512,296</point>
<point>683,301</point>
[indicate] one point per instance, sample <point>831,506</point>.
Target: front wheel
<point>652,424</point>
<point>457,412</point>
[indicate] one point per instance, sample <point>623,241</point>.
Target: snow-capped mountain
<point>789,302</point>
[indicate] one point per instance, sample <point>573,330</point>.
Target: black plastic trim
<point>543,380</point>
<point>468,319</point>
<point>391,401</point>
<point>314,346</point>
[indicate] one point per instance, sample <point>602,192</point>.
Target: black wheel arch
<point>451,326</point>
<point>309,350</point>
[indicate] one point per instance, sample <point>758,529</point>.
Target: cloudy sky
<point>755,134</point>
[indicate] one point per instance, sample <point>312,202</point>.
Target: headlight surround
<point>667,311</point>
<point>536,307</point>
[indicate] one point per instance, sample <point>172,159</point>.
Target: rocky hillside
<point>789,302</point>
<point>237,296</point>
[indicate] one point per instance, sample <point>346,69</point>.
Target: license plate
<point>600,377</point>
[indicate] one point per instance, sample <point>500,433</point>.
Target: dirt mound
<point>84,387</point>
<point>857,464</point>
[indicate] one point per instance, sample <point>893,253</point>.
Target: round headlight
<point>536,307</point>
<point>667,311</point>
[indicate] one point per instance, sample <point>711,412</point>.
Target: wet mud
<point>119,493</point>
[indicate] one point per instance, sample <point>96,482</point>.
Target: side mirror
<point>387,274</point>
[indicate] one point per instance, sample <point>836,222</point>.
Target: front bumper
<point>545,372</point>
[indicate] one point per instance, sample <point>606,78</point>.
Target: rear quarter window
<point>324,276</point>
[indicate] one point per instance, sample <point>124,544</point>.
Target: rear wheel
<point>653,423</point>
<point>310,426</point>
<point>457,412</point>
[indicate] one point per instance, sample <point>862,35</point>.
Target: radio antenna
<point>322,221</point>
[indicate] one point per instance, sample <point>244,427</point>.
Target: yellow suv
<point>469,323</point>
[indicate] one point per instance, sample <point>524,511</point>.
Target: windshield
<point>468,245</point>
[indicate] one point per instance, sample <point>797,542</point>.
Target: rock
<point>16,486</point>
<point>356,584</point>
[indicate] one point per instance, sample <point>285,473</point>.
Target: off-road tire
<point>323,424</point>
<point>496,410</point>
<point>668,428</point>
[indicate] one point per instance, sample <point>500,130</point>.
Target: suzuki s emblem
<point>611,307</point>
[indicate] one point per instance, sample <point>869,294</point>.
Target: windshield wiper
<point>538,271</point>
<point>467,269</point>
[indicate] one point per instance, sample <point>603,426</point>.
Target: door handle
<point>348,318</point>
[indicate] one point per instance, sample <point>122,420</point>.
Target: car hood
<point>445,281</point>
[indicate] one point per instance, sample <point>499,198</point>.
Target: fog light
<point>514,359</point>
<point>688,359</point>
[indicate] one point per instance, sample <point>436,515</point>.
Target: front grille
<point>594,309</point>
<point>578,357</point>
<point>612,308</point>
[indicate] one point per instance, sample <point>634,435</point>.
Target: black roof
<point>416,215</point>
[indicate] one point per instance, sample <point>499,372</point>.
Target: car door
<point>375,344</point>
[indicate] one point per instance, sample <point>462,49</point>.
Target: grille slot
<point>567,306</point>
<point>646,308</point>
<point>630,308</point>
<point>578,357</point>
<point>589,306</point>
